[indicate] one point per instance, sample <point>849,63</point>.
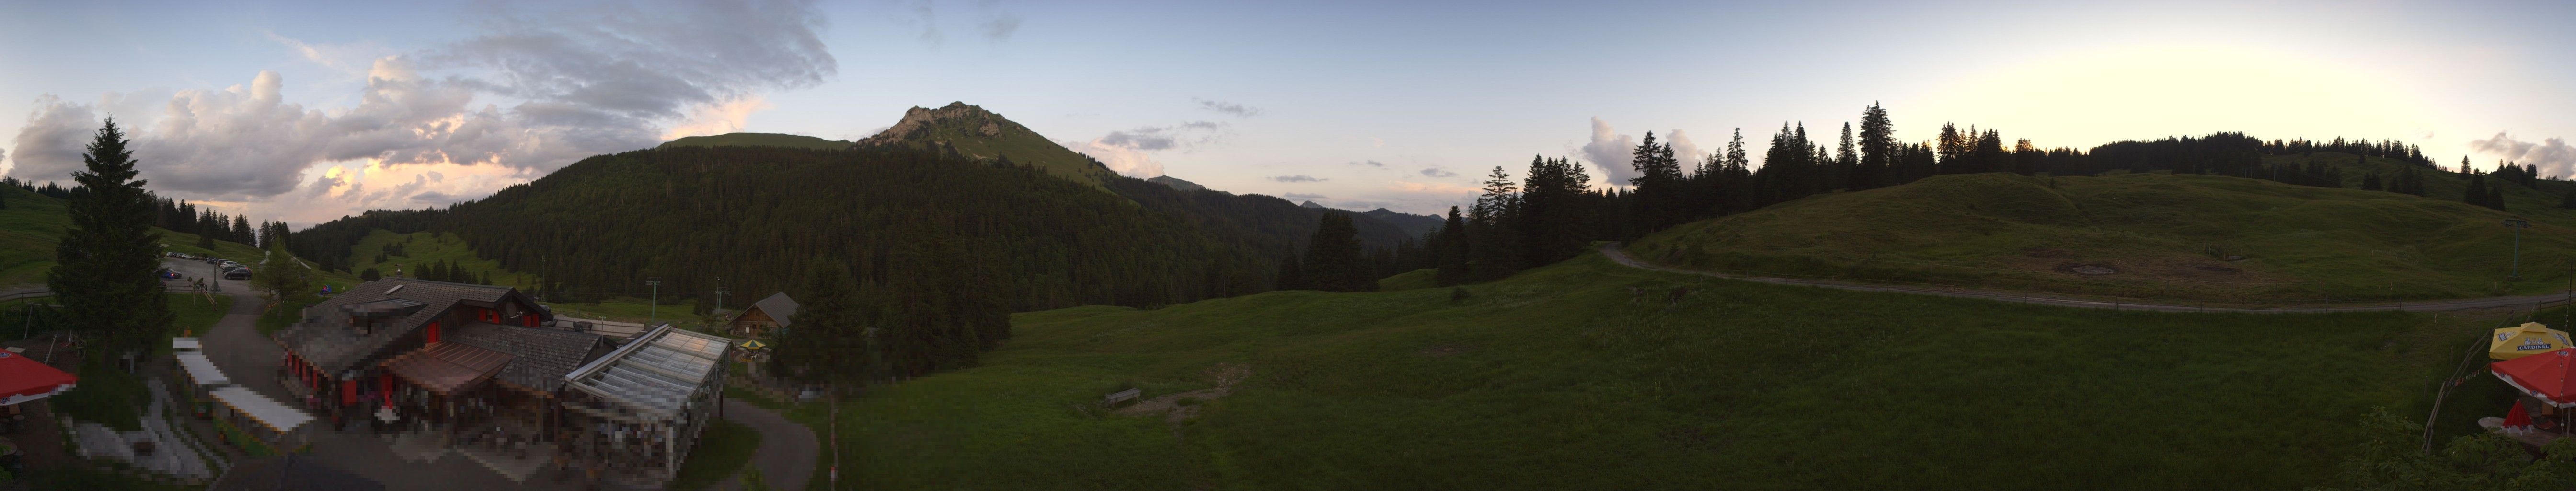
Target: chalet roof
<point>544,355</point>
<point>655,376</point>
<point>448,368</point>
<point>778,306</point>
<point>324,338</point>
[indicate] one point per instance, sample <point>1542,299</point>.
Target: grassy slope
<point>1561,378</point>
<point>28,230</point>
<point>33,223</point>
<point>2005,231</point>
<point>720,452</point>
<point>1420,278</point>
<point>422,248</point>
<point>758,140</point>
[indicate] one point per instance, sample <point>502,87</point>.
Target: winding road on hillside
<point>1618,255</point>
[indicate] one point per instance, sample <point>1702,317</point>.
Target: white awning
<point>268,412</point>
<point>201,370</point>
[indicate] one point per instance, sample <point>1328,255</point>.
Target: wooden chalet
<point>398,347</point>
<point>764,316</point>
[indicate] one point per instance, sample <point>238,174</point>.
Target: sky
<point>307,111</point>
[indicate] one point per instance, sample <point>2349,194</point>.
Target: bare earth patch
<point>1180,407</point>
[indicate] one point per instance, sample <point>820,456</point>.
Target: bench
<point>1120,396</point>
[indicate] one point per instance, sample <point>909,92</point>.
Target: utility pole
<point>720,292</point>
<point>653,310</point>
<point>2517,225</point>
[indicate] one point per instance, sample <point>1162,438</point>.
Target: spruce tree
<point>1333,256</point>
<point>830,343</point>
<point>2477,192</point>
<point>281,278</point>
<point>1292,276</point>
<point>103,266</point>
<point>1453,249</point>
<point>1877,148</point>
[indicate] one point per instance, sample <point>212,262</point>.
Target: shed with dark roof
<point>768,314</point>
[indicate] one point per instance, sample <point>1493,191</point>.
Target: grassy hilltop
<point>1581,376</point>
<point>2157,235</point>
<point>757,140</point>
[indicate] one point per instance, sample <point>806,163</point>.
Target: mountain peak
<point>918,121</point>
<point>1311,204</point>
<point>980,134</point>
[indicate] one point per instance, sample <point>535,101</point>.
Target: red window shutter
<point>433,333</point>
<point>386,381</point>
<point>349,391</point>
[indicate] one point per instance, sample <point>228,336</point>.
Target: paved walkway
<point>1612,251</point>
<point>787,450</point>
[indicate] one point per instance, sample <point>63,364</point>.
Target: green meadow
<point>1582,375</point>
<point>2163,236</point>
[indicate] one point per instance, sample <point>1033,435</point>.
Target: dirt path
<point>1612,251</point>
<point>1179,407</point>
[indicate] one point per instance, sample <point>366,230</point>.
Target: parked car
<point>167,274</point>
<point>237,274</point>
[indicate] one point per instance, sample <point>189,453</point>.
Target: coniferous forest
<point>750,219</point>
<point>1551,212</point>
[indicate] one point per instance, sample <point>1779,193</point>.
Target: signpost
<point>2517,225</point>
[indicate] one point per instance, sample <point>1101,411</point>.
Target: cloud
<point>1298,178</point>
<point>1370,163</point>
<point>1130,151</point>
<point>1000,27</point>
<point>1125,160</point>
<point>2552,155</point>
<point>1611,152</point>
<point>1238,110</point>
<point>1684,149</point>
<point>727,117</point>
<point>50,145</point>
<point>1437,172</point>
<point>927,18</point>
<point>1303,196</point>
<point>526,93</point>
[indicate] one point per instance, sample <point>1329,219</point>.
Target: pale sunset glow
<point>1402,107</point>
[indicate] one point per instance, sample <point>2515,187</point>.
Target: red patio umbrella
<point>2518,418</point>
<point>2550,377</point>
<point>23,379</point>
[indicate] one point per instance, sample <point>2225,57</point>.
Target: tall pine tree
<point>830,343</point>
<point>1453,249</point>
<point>1877,150</point>
<point>1333,256</point>
<point>103,266</point>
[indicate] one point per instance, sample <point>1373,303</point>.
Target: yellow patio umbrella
<point>2528,339</point>
<point>754,344</point>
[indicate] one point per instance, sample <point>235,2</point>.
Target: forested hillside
<point>755,216</point>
